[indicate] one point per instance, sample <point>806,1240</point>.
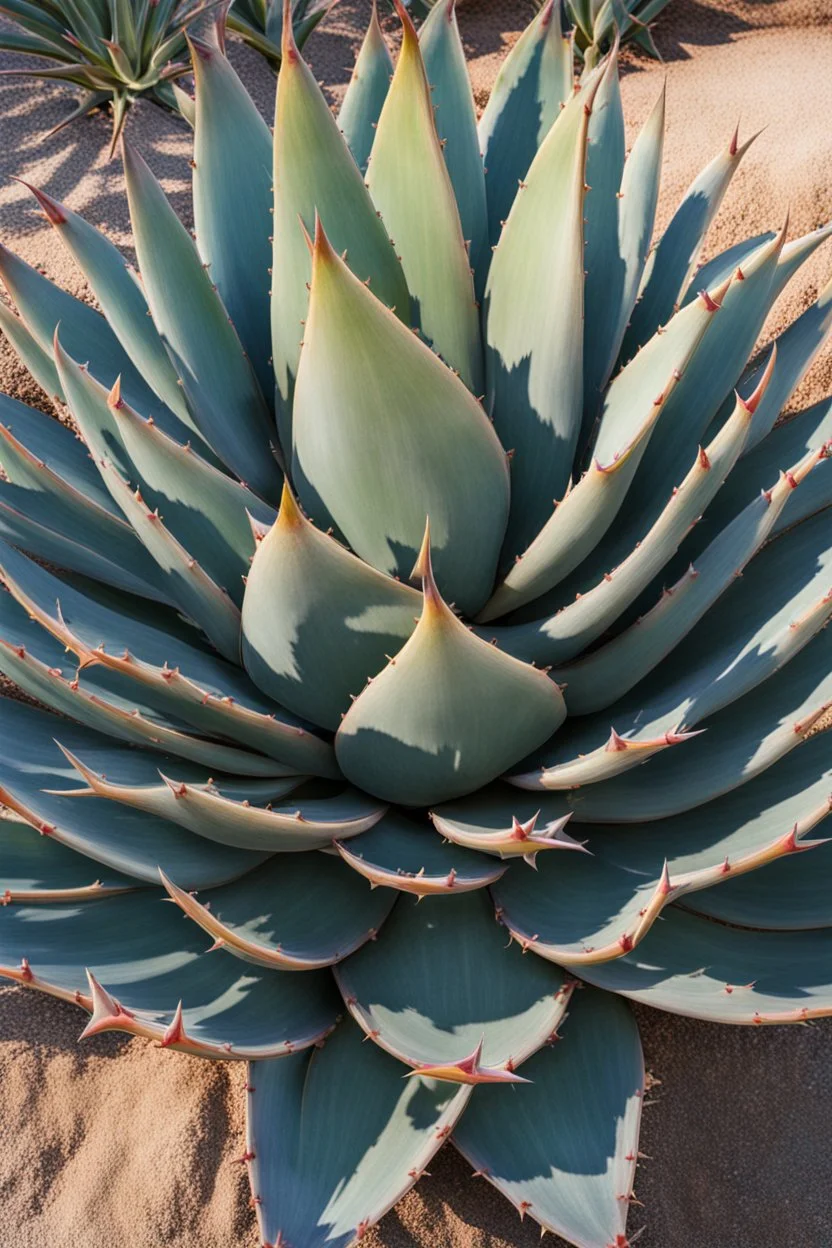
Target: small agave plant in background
<point>119,51</point>
<point>421,754</point>
<point>595,23</point>
<point>260,23</point>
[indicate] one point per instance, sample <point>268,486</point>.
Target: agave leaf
<point>609,672</point>
<point>737,744</point>
<point>579,910</point>
<point>764,619</point>
<point>605,267</point>
<point>498,821</point>
<point>705,970</point>
<point>580,622</point>
<point>56,446</point>
<point>226,812</point>
<point>142,953</point>
<point>633,405</point>
<point>334,1139</point>
<point>104,700</point>
<point>41,495</point>
<point>725,264</point>
<point>204,509</point>
<point>673,259</point>
<point>456,124</point>
<point>176,677</point>
<point>447,714</point>
<point>534,80</point>
<point>639,196</point>
<point>789,894</point>
<point>430,244</point>
<point>233,199</point>
<point>708,379</point>
<point>563,1150</point>
<point>796,347</point>
<point>39,869</point>
<point>124,840</point>
<point>37,361</point>
<point>84,332</point>
<point>295,913</point>
<point>534,343</point>
<point>366,93</point>
<point>317,621</point>
<point>807,431</point>
<point>363,375</point>
<point>186,582</point>
<point>403,855</point>
<point>315,173</point>
<point>217,379</point>
<point>441,982</point>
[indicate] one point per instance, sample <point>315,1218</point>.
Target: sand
<point>112,1144</point>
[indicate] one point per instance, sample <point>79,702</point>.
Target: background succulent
<point>362,739</point>
<point>595,22</point>
<point>118,51</point>
<point>260,23</point>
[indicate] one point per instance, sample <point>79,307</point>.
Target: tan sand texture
<point>112,1144</point>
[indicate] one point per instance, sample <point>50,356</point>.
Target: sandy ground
<point>111,1143</point>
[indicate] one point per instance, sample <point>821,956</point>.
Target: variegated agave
<point>308,750</point>
<point>118,51</point>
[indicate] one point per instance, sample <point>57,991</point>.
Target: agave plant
<point>118,51</point>
<point>371,798</point>
<point>596,23</point>
<point>260,23</point>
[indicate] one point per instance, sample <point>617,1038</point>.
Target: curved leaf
<point>129,842</point>
<point>534,343</point>
<point>175,675</point>
<point>335,1138</point>
<point>366,92</point>
<point>578,910</point>
<point>364,377</point>
<point>456,125</point>
<point>315,173</point>
<point>534,80</point>
<point>149,960</point>
<point>317,621</point>
<point>430,244</point>
<point>227,812</point>
<point>763,620</point>
<point>447,714</point>
<point>632,407</point>
<point>296,913</point>
<point>609,672</point>
<point>39,869</point>
<point>399,854</point>
<point>441,981</point>
<point>563,1150</point>
<point>217,379</point>
<point>123,304</point>
<point>671,262</point>
<point>232,187</point>
<point>702,969</point>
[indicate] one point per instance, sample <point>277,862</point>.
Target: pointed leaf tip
<point>52,209</point>
<point>753,401</point>
<point>423,568</point>
<point>289,48</point>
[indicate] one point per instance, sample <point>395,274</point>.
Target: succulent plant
<point>260,23</point>
<point>595,23</point>
<point>118,51</point>
<point>372,802</point>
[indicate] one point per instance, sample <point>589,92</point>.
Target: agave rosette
<point>334,669</point>
<point>119,51</point>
